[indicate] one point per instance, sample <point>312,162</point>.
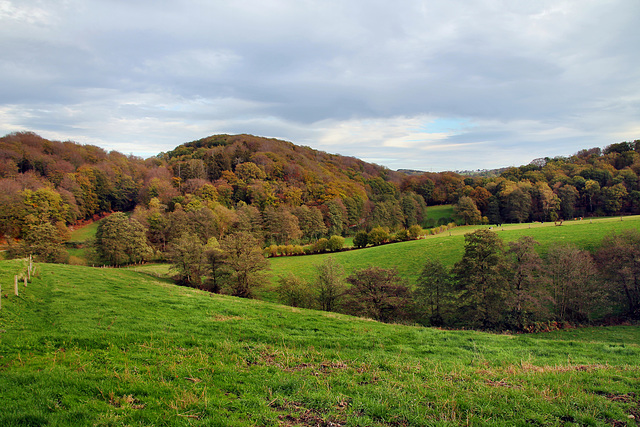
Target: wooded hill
<point>284,193</point>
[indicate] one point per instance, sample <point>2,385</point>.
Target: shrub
<point>335,243</point>
<point>361,239</point>
<point>320,246</point>
<point>378,236</point>
<point>294,291</point>
<point>272,250</point>
<point>401,236</point>
<point>415,231</point>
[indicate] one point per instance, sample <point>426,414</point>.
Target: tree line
<point>283,194</point>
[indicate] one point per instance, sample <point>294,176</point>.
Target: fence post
<point>25,281</point>
<point>15,284</point>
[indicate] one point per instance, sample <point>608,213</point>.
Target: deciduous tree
<point>378,293</point>
<point>528,298</point>
<point>294,291</point>
<point>329,286</point>
<point>434,293</point>
<point>244,262</point>
<point>120,240</point>
<point>574,283</point>
<point>466,211</point>
<point>186,254</point>
<point>619,260</point>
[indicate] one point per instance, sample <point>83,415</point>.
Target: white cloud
<point>408,83</point>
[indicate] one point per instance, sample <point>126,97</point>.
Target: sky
<point>427,85</point>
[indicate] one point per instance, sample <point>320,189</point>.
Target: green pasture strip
<point>84,233</point>
<point>439,211</point>
<point>157,270</point>
<point>103,347</point>
<point>409,257</point>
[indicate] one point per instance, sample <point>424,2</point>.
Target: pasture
<point>85,346</point>
<point>409,257</point>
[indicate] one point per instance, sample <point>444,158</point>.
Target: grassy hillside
<point>84,233</point>
<point>106,347</point>
<point>439,211</point>
<point>409,257</point>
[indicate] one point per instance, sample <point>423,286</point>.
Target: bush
<point>320,246</point>
<point>378,236</point>
<point>272,250</point>
<point>401,236</point>
<point>361,239</point>
<point>415,231</point>
<point>335,243</point>
<point>294,291</point>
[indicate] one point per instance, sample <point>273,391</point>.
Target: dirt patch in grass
<point>298,415</point>
<point>125,401</point>
<point>221,318</point>
<point>325,367</point>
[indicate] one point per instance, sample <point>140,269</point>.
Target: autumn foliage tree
<point>120,240</point>
<point>619,260</point>
<point>434,293</point>
<point>378,293</point>
<point>244,263</point>
<point>329,286</point>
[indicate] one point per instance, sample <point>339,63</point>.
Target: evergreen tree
<point>481,279</point>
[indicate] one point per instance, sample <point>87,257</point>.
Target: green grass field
<point>84,233</point>
<point>440,211</point>
<point>409,257</point>
<point>114,347</point>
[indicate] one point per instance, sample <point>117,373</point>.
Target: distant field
<point>110,347</point>
<point>409,257</point>
<point>84,233</point>
<point>440,211</point>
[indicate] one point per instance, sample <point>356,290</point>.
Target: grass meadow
<point>83,346</point>
<point>84,233</point>
<point>409,257</point>
<point>439,211</point>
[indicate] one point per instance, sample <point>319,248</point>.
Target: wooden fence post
<point>25,281</point>
<point>15,285</point>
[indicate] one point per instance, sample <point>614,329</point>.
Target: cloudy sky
<point>429,85</point>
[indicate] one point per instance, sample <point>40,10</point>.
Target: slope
<point>83,346</point>
<point>409,257</point>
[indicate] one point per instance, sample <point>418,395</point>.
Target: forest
<point>236,198</point>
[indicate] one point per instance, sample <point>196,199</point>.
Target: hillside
<point>409,257</point>
<point>126,349</point>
